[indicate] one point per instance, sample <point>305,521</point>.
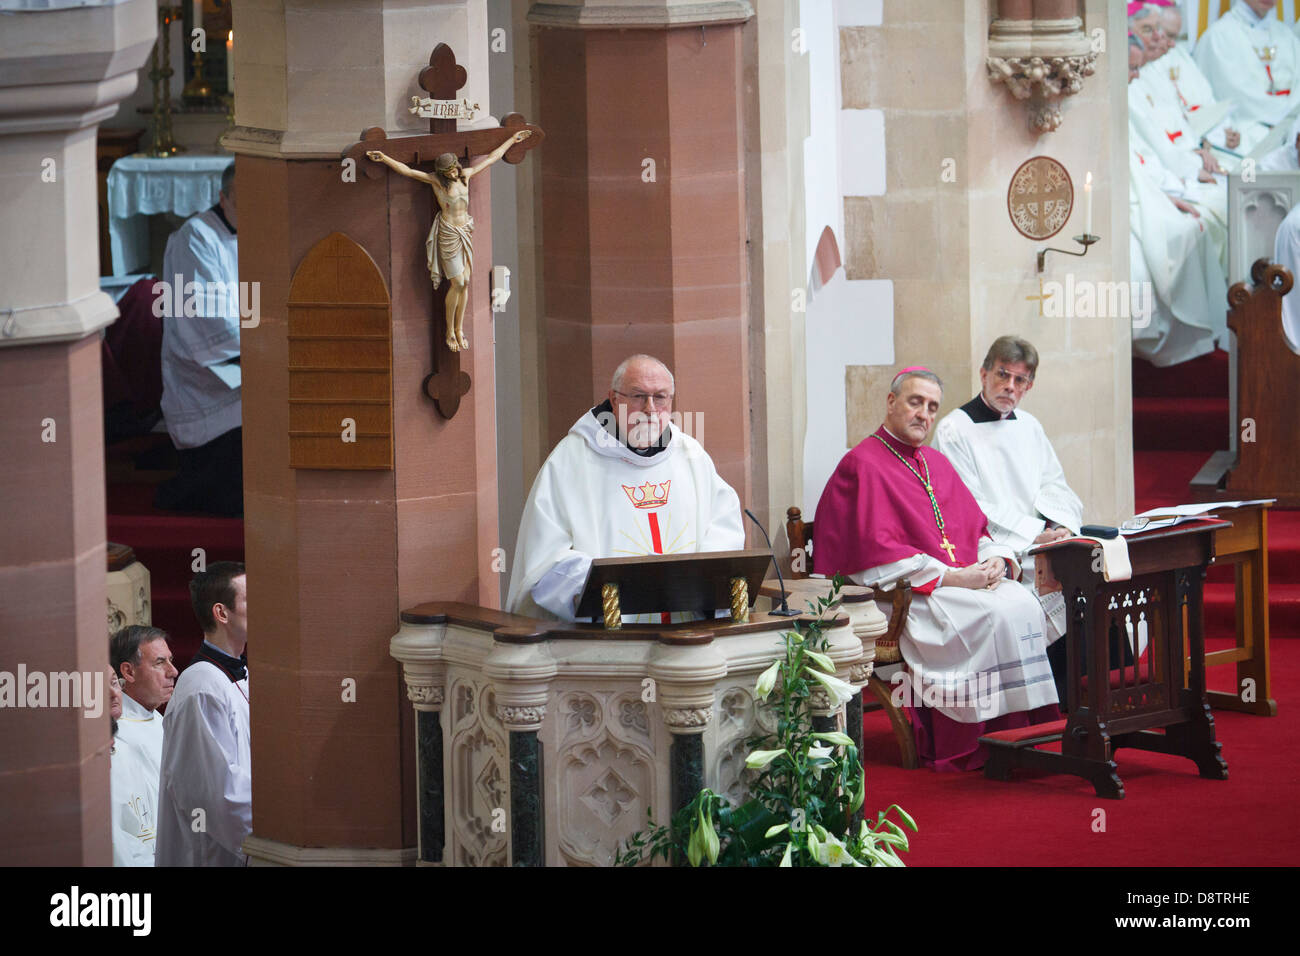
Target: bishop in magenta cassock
<point>974,639</point>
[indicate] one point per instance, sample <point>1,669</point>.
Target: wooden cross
<point>442,79</point>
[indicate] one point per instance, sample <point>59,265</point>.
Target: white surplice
<point>133,789</point>
<point>201,382</point>
<point>1195,93</point>
<point>984,652</point>
<point>595,498</point>
<point>135,770</point>
<point>1286,252</point>
<point>1012,470</point>
<point>1230,54</point>
<point>205,766</point>
<point>1175,252</point>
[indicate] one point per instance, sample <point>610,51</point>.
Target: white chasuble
<point>136,764</point>
<point>1012,470</point>
<point>1180,259</point>
<point>133,788</point>
<point>1252,61</point>
<point>205,792</point>
<point>596,498</point>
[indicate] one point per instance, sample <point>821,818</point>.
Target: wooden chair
<point>899,598</point>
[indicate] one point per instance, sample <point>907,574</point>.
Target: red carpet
<point>164,541</point>
<point>1170,816</point>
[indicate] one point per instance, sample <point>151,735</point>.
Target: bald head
<point>641,394</point>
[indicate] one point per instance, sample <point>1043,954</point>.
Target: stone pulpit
<point>546,743</point>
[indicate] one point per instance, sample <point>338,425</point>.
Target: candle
<point>1087,205</point>
<point>230,64</point>
<point>197,14</point>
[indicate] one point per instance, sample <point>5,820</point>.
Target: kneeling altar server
<point>625,481</point>
<point>974,639</point>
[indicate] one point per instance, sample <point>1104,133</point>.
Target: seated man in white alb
<point>1253,59</point>
<point>893,509</point>
<point>1002,454</point>
<point>623,481</point>
<point>1286,252</point>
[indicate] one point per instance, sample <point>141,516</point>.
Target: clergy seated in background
<point>1286,252</point>
<point>1002,454</point>
<point>974,636</point>
<point>1173,251</point>
<point>1253,59</point>
<point>206,764</point>
<point>624,481</point>
<point>142,658</point>
<point>200,364</point>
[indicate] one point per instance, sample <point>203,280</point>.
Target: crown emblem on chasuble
<point>649,495</point>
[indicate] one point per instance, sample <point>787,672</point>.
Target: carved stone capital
<point>521,718</point>
<point>692,720</point>
<point>1042,82</point>
<point>424,696</point>
<point>860,673</point>
<point>820,702</point>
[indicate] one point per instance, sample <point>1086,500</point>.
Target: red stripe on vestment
<point>658,544</point>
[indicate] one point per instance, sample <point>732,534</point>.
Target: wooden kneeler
<point>899,598</point>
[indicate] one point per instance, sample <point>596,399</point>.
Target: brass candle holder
<point>160,75</point>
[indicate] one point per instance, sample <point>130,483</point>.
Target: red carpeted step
<point>1185,423</point>
<point>1164,477</point>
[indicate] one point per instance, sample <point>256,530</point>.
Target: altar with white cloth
<point>142,186</point>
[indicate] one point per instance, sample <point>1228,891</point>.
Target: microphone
<point>784,610</point>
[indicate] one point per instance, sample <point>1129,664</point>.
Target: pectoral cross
<point>949,547</point>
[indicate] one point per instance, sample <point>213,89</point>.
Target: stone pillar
<point>419,649</point>
<point>333,556</point>
<point>643,207</point>
<point>62,72</point>
<point>868,623</point>
<point>521,669</point>
<point>685,670</point>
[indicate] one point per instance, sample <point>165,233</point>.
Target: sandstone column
<point>643,207</point>
<point>62,72</point>
<point>333,556</point>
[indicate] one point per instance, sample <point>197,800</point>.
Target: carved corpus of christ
<point>449,248</point>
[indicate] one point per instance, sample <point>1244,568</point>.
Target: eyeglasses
<point>1020,381</point>
<point>659,399</point>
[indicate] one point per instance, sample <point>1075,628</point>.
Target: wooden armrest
<point>900,599</point>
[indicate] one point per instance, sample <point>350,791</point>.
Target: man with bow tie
<point>205,794</point>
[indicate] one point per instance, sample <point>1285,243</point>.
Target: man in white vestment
<point>1286,252</point>
<point>200,363</point>
<point>143,659</point>
<point>1002,454</point>
<point>1195,93</point>
<point>1253,59</point>
<point>974,635</point>
<point>1173,249</point>
<point>206,768</point>
<point>131,809</point>
<point>625,480</point>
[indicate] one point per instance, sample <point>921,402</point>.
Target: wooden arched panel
<point>340,360</point>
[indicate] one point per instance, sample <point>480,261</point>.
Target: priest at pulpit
<point>626,480</point>
<point>974,638</point>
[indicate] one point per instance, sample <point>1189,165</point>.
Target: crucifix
<point>449,249</point>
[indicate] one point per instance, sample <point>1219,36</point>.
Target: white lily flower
<point>766,681</point>
<point>841,691</point>
<point>761,758</point>
<point>836,737</point>
<point>821,660</point>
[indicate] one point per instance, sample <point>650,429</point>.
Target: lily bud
<point>767,681</point>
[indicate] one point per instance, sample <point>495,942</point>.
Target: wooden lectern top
<point>699,582</point>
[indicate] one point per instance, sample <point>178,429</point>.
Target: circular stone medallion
<point>1040,198</point>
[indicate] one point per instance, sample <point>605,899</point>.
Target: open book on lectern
<point>699,582</point>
